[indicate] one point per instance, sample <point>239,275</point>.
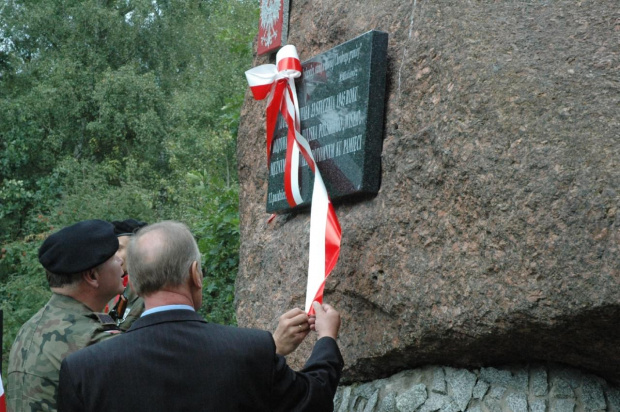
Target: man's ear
<point>195,275</point>
<point>91,277</point>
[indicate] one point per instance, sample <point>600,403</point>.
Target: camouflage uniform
<point>61,327</point>
<point>135,307</point>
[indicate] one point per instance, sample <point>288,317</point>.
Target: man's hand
<point>292,328</point>
<point>327,321</point>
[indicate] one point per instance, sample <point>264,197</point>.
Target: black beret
<point>78,247</point>
<point>127,227</point>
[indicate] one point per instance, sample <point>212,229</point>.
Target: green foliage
<point>218,240</point>
<point>21,205</point>
<point>130,117</point>
<point>131,82</point>
<point>14,197</point>
<point>89,194</point>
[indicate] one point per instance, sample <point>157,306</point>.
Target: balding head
<point>159,256</point>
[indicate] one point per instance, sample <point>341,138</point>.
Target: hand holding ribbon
<point>277,82</point>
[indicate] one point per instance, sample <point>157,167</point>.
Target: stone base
<point>535,388</point>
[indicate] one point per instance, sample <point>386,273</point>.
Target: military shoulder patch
<point>105,319</point>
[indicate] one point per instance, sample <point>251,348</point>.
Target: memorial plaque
<point>273,25</point>
<point>341,100</point>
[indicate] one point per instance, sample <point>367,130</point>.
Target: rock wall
<point>530,388</point>
<point>495,236</point>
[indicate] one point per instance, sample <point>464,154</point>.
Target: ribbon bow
<point>277,82</point>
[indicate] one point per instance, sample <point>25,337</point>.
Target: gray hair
<point>160,256</point>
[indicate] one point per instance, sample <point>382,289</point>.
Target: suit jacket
<point>176,361</point>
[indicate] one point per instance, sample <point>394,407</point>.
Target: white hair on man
<point>160,255</point>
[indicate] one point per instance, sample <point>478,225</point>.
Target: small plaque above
<point>341,96</point>
<point>273,25</point>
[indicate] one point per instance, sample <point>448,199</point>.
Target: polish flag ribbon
<point>277,84</point>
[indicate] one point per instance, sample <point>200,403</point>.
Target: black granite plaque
<point>341,99</point>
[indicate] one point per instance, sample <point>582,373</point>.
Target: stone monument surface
<point>495,235</point>
<point>341,97</point>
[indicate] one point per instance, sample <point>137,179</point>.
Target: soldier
<point>124,230</point>
<point>84,273</point>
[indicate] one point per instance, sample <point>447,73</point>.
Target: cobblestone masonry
<point>534,388</point>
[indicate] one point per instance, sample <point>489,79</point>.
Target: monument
<point>484,275</point>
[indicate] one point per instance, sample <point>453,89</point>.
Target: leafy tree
<point>132,82</point>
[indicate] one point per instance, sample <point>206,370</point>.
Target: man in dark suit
<point>176,361</point>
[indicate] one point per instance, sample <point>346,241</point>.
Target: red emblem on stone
<point>273,26</point>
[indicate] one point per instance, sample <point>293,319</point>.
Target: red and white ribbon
<point>277,82</point>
